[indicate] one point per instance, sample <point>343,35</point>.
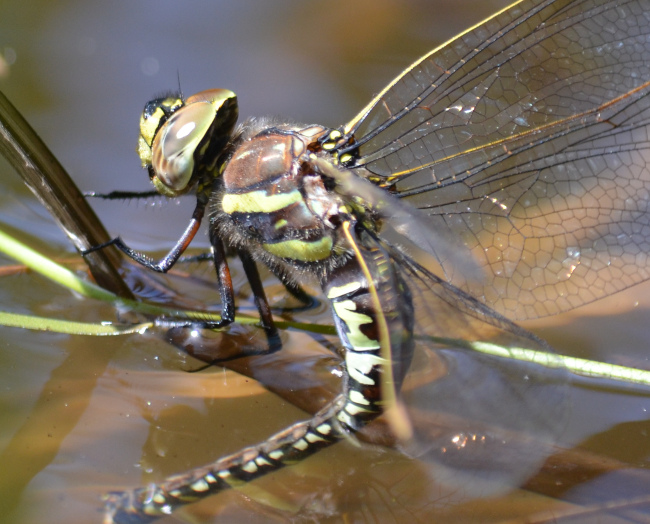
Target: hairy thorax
<point>276,206</point>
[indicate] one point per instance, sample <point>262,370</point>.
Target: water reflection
<point>75,412</point>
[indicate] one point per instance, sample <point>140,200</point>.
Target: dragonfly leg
<point>167,262</point>
<point>253,275</point>
<point>123,195</point>
<point>227,293</point>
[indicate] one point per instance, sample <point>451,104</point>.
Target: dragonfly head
<point>181,139</point>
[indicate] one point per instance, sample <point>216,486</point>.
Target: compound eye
<point>175,145</point>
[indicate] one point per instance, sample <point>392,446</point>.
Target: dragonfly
<point>500,177</point>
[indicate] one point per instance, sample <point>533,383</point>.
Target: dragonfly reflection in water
<point>524,139</point>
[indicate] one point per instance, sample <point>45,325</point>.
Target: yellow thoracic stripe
<point>301,250</point>
<point>259,201</point>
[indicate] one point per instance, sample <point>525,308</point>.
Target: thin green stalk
<point>69,327</point>
<point>63,276</point>
<point>46,267</point>
<point>577,366</point>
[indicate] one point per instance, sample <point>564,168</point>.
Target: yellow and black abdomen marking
<point>357,322</point>
<point>282,449</point>
<point>356,325</point>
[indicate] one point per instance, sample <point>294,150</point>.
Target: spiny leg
<point>167,262</point>
<point>228,303</point>
<point>123,195</point>
<point>292,287</point>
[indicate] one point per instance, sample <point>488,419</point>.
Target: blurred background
<point>82,71</point>
<point>75,412</point>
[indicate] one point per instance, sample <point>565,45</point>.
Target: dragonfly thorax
<point>276,205</point>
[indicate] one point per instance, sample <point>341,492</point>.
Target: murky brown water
<point>81,415</point>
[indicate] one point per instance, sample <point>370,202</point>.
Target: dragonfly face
<point>525,140</point>
<point>178,147</point>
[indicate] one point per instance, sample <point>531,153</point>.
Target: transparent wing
<point>527,138</point>
<point>487,399</point>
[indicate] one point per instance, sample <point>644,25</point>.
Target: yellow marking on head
<point>144,152</point>
<point>301,250</point>
<point>259,201</point>
<point>149,125</point>
<point>345,289</point>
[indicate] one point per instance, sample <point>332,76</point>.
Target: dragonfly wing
<point>487,399</point>
<point>527,138</point>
